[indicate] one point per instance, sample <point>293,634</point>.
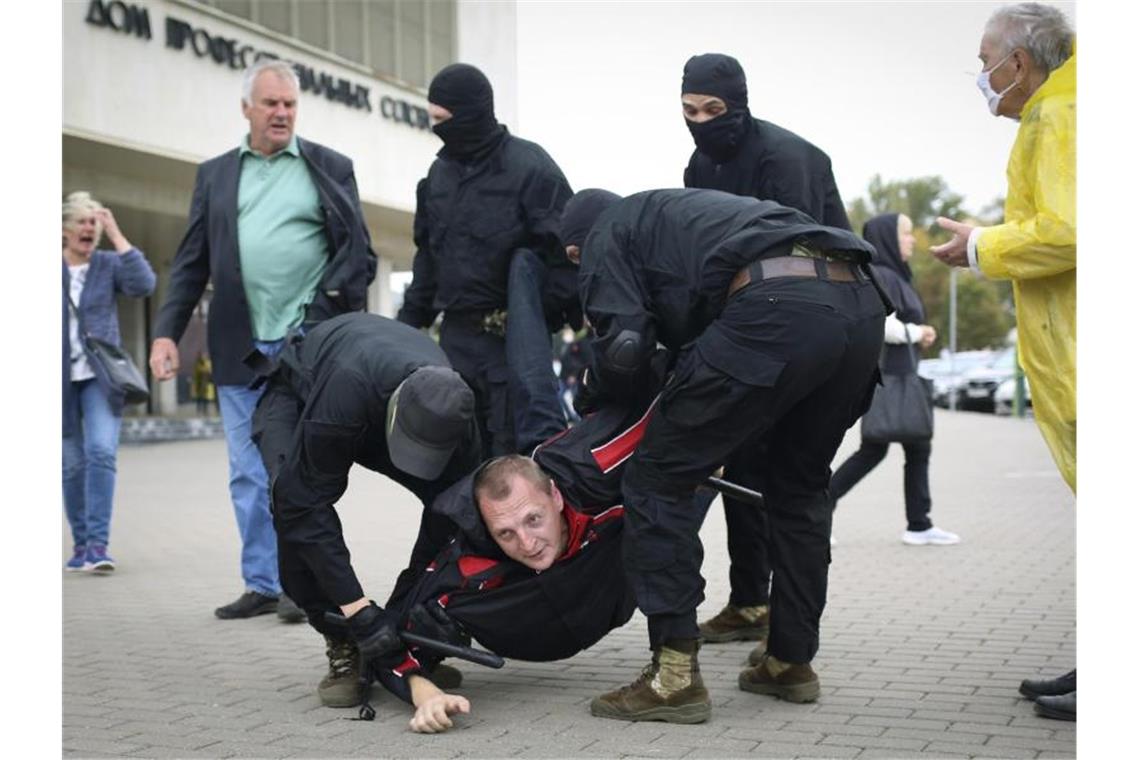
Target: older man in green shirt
<point>277,226</point>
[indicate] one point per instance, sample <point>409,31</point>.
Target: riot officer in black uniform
<point>746,156</point>
<point>358,389</point>
<point>486,227</point>
<point>776,332</point>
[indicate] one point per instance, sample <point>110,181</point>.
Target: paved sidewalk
<point>922,647</point>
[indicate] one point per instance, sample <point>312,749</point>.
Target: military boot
<point>786,680</point>
<point>669,689</point>
<point>341,686</point>
<point>736,624</point>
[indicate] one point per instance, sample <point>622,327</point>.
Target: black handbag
<point>113,367</point>
<point>902,410</point>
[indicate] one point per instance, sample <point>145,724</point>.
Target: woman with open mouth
<point>92,413</point>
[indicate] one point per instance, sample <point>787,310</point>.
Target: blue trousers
<point>89,465</point>
<point>249,485</point>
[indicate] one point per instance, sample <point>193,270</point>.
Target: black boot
<point>1049,687</point>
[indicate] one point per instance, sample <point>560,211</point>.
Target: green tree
<point>985,307</point>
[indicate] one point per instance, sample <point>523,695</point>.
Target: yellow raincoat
<point>1036,248</point>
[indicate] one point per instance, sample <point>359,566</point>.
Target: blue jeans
<point>249,485</point>
<point>89,465</point>
<point>530,357</point>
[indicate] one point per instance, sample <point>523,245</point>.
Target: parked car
<point>979,384</point>
<point>1003,396</point>
<point>947,373</point>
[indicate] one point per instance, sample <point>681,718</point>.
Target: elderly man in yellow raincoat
<point>1029,73</point>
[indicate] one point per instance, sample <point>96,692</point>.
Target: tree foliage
<point>985,307</point>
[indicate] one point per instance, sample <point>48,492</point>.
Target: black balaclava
<point>580,213</point>
<point>719,75</point>
<point>466,92</point>
<point>883,233</point>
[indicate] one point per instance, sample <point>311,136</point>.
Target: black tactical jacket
<point>774,164</point>
<point>471,218</point>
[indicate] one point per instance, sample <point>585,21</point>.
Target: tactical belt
<point>801,263</point>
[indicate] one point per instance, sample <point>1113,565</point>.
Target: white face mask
<point>993,99</point>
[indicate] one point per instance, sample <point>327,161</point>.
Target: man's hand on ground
<point>432,715</point>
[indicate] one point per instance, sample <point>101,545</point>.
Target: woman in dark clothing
<point>893,238</point>
<point>91,412</point>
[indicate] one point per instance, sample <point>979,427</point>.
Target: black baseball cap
<point>429,415</point>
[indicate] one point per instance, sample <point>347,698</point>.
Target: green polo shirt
<point>281,238</point>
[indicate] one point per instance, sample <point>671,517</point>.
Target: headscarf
<point>883,233</point>
<point>466,92</point>
<point>580,213</point>
<point>721,76</point>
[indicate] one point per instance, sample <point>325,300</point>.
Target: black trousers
<point>790,362</point>
<point>746,525</point>
<point>481,359</point>
<point>916,478</point>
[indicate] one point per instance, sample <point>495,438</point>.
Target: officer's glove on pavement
<point>377,637</point>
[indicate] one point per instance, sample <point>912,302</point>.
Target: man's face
<point>1003,73</point>
<point>271,114</point>
<point>701,108</point>
<point>527,525</point>
<point>574,254</point>
<point>438,114</point>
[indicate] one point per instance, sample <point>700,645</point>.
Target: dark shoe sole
<point>340,700</point>
<point>694,713</point>
<point>1048,712</point>
<point>264,609</point>
<point>800,693</point>
<point>740,634</point>
<point>1029,693</point>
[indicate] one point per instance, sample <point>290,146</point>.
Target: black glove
<point>590,395</point>
<point>377,637</point>
<point>430,620</point>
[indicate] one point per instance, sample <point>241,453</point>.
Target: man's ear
<point>557,495</point>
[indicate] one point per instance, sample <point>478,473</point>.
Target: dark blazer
<point>209,251</point>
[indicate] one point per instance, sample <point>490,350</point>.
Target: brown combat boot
<point>786,680</point>
<point>736,624</point>
<point>669,689</point>
<point>341,686</point>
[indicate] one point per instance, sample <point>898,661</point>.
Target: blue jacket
<point>109,275</point>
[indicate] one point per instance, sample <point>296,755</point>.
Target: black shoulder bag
<point>902,410</point>
<point>113,366</point>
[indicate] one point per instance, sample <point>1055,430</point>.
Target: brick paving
<point>922,647</point>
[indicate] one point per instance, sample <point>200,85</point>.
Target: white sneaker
<point>932,536</point>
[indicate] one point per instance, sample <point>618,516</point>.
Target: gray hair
<point>277,66</point>
<point>77,205</point>
<point>1042,30</point>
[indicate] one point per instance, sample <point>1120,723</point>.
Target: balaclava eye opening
<point>721,76</point>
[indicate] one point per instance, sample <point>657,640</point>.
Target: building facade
<point>152,88</point>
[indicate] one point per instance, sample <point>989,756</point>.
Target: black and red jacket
<point>511,609</point>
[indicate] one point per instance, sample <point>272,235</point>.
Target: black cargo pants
<point>772,384</point>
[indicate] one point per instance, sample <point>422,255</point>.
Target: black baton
<point>471,654</point>
<point>735,491</point>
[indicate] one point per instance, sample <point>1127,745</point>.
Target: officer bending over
<point>776,332</point>
<point>358,389</point>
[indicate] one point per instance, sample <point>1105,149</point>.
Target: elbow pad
<point>625,352</point>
